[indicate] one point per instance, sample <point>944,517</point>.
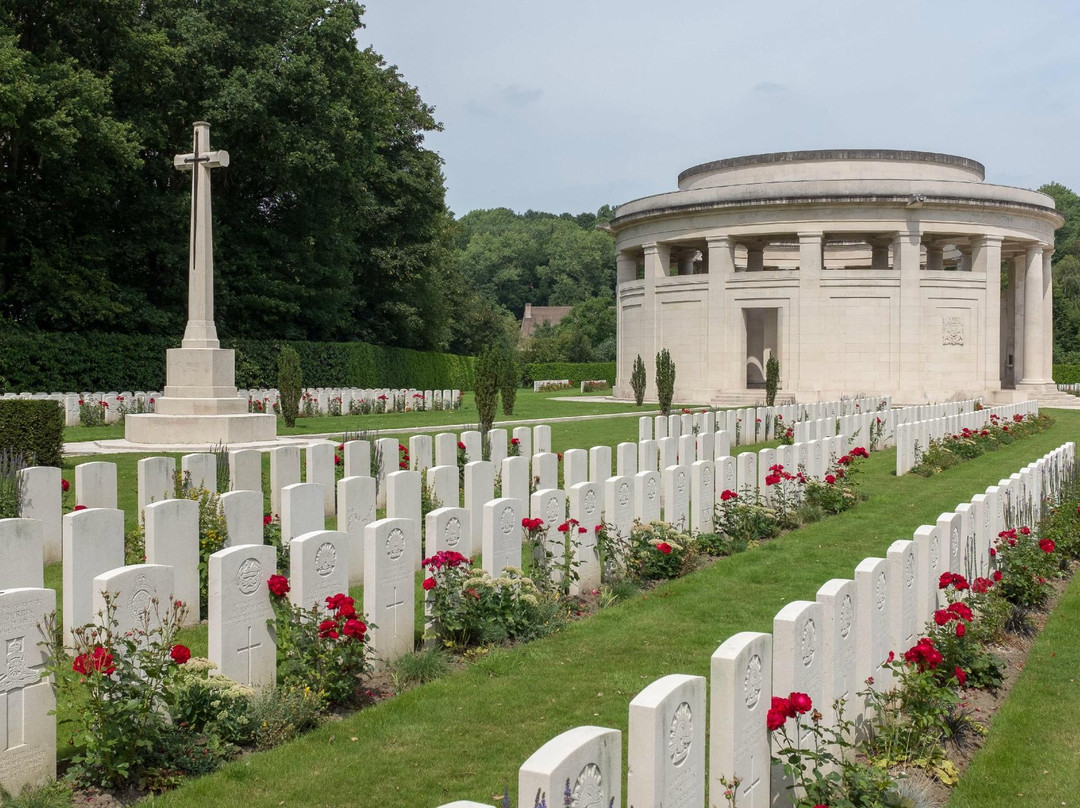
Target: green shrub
<point>1067,374</point>
<point>33,429</point>
<point>576,372</point>
<point>637,380</point>
<point>290,384</point>
<point>772,379</point>
<point>665,380</point>
<point>486,386</point>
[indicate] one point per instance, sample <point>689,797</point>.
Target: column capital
<point>987,239</point>
<point>719,241</point>
<point>651,247</point>
<point>1035,250</point>
<point>810,236</point>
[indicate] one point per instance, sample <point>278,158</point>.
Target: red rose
<point>79,508</point>
<point>99,659</point>
<point>180,654</point>
<point>941,617</point>
<point>997,575</point>
<point>515,441</point>
<point>279,585</point>
<point>1026,531</point>
<point>728,494</point>
<point>354,628</point>
<point>461,446</point>
<point>64,485</point>
<point>772,479</point>
<point>961,610</point>
<point>664,548</point>
<point>582,530</point>
<point>993,552</point>
<point>337,460</point>
<point>328,630</point>
<point>961,677</point>
<point>945,580</point>
<point>1046,545</point>
<point>564,527</point>
<point>268,519</point>
<point>775,719</point>
<point>800,702</point>
<point>830,479</point>
<point>960,630</point>
<point>429,584</point>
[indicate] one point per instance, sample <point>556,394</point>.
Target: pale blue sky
<point>565,106</point>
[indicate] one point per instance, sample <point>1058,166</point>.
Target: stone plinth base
<point>157,428</point>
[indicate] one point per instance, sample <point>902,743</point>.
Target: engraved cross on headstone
<point>201,331</point>
<point>393,604</point>
<point>748,789</point>
<point>248,650</point>
<point>14,676</point>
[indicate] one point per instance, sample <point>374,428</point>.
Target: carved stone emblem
<point>325,559</point>
<point>249,576</point>
<point>506,521</point>
<point>588,789</point>
<point>140,598</point>
<point>809,643</point>
<point>752,682</point>
<point>590,501</point>
<point>681,734</point>
<point>452,532</point>
<point>624,493</point>
<point>847,614</point>
<point>879,592</point>
<point>952,331</point>
<point>395,544</point>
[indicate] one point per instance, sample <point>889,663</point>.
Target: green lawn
<point>527,405</point>
<point>1032,756</point>
<point>465,736</point>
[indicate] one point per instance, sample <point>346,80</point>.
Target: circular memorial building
<point>880,272</point>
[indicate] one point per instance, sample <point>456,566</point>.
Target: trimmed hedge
<point>34,429</point>
<point>1067,374</point>
<point>576,372</point>
<point>55,362</point>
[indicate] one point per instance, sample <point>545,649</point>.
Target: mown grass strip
<point>463,737</point>
<point>1032,754</point>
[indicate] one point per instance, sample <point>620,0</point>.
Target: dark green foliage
<point>486,388</point>
<point>637,380</point>
<point>33,429</point>
<point>772,379</point>
<point>509,378</point>
<point>665,380</point>
<point>1067,374</point>
<point>290,384</point>
<point>576,372</point>
<point>330,220</point>
<point>52,362</point>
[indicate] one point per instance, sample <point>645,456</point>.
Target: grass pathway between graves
<point>1032,754</point>
<point>465,736</point>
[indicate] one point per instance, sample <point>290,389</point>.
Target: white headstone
<point>356,455</point>
<point>42,499</point>
<point>22,555</point>
<point>746,471</point>
<point>172,539</point>
<point>320,470</point>
<point>575,467</point>
<point>93,544</point>
<point>647,458</point>
<point>245,470</point>
<point>721,444</point>
<point>523,435</point>
<point>702,496</point>
<point>420,452</point>
<point>541,439</point>
<point>668,452</point>
<point>647,496</point>
<point>903,595</point>
<point>497,446</point>
<point>839,680</point>
<point>448,529</point>
<point>243,517</point>
<point>931,559</point>
<point>644,428</point>
<point>619,504</point>
<point>741,697</point>
<point>141,593</point>
<point>446,449</point>
<point>356,510</point>
<point>201,469</point>
<point>388,451</point>
<point>626,459</point>
<point>155,480</point>
<point>599,464</point>
<point>545,469</point>
<point>284,471</point>
<point>726,476</point>
<point>390,560</point>
<point>666,754</point>
<point>479,490</point>
<point>586,502</point>
<point>27,725</point>
<point>798,667</point>
<point>240,640</point>
<point>872,630</point>
<point>588,758</point>
<point>318,567</point>
<point>502,534</point>
<point>515,478</point>
<point>445,481</point>
<point>403,496</point>
<point>677,496</point>
<point>302,510</point>
<point>474,445</point>
<point>95,485</point>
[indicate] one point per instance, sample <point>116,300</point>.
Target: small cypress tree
<point>665,380</point>
<point>509,378</point>
<point>290,382</point>
<point>486,388</point>
<point>772,379</point>
<point>637,380</point>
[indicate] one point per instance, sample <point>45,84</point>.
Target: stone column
<point>1048,314</point>
<point>986,258</point>
<point>755,256</point>
<point>935,254</point>
<point>1019,265</point>
<point>965,260</point>
<point>1033,317</point>
<point>627,266</point>
<point>811,299</point>
<point>721,353</point>
<point>656,260</point>
<point>879,253</point>
<point>906,255</point>
<point>625,272</point>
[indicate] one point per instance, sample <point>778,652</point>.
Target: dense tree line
<point>330,222</point>
<point>1066,275</point>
